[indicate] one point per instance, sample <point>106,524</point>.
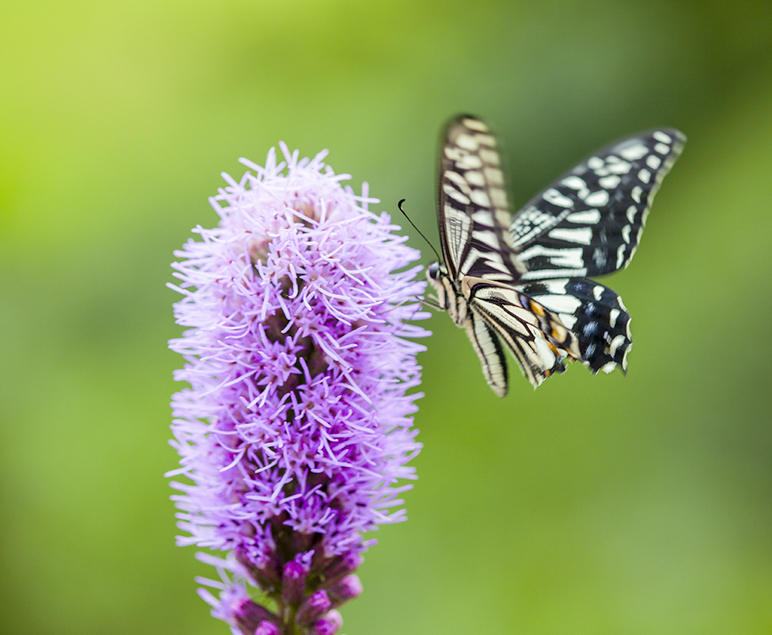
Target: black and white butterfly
<point>524,280</point>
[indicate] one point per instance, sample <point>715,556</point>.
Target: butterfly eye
<point>434,270</point>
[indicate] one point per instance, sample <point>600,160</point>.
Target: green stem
<point>290,628</point>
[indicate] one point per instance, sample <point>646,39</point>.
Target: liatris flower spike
<point>296,430</point>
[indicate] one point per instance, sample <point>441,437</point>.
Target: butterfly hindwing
<point>535,335</point>
<point>590,221</point>
<point>594,313</point>
<point>472,206</point>
<point>488,349</point>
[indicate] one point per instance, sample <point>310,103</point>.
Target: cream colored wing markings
<point>589,222</point>
<point>473,207</point>
<point>524,281</point>
<point>535,335</point>
<point>488,349</point>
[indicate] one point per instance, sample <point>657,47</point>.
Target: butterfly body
<point>522,281</point>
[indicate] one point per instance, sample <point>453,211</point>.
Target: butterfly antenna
<point>399,205</point>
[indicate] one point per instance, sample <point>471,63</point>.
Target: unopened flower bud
<point>316,605</point>
<point>267,576</point>
<point>342,566</point>
<point>267,628</point>
<point>248,616</point>
<point>293,582</point>
<point>345,589</point>
<point>301,542</point>
<point>329,624</point>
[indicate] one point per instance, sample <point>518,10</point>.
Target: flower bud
<point>345,589</point>
<point>329,624</point>
<point>316,605</point>
<point>293,582</point>
<point>300,541</point>
<point>267,628</point>
<point>267,576</point>
<point>342,566</point>
<point>248,616</point>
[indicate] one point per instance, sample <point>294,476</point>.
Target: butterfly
<point>523,281</point>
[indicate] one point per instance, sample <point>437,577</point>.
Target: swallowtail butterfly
<point>525,280</point>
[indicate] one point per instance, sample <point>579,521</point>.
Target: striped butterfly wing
<point>590,221</point>
<point>473,213</point>
<point>536,335</point>
<point>472,207</point>
<point>488,348</point>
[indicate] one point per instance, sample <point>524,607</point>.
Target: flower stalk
<point>295,431</point>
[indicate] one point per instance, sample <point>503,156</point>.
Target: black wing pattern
<point>472,206</point>
<point>594,313</point>
<point>589,222</point>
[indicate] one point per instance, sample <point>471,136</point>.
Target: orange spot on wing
<point>538,309</point>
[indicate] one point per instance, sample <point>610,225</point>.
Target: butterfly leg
<point>431,303</point>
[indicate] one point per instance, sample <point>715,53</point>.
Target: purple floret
<point>296,430</point>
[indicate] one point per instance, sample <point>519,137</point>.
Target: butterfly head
<point>437,274</point>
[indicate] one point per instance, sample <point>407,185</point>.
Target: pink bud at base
<point>329,624</point>
<point>316,605</point>
<point>248,616</point>
<point>293,582</point>
<point>267,628</point>
<point>342,566</point>
<point>346,589</point>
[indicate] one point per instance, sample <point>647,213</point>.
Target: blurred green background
<point>598,505</point>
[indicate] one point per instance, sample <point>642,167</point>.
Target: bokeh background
<point>598,505</point>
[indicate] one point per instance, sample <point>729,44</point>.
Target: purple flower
<point>296,432</point>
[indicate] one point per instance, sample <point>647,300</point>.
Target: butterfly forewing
<point>473,210</point>
<point>590,221</point>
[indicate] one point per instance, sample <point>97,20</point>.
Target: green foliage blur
<point>599,505</point>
